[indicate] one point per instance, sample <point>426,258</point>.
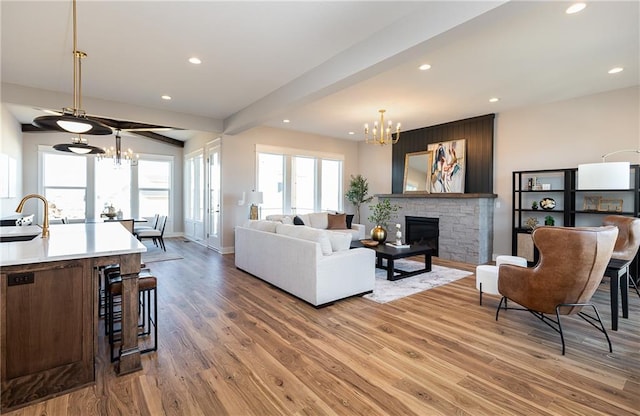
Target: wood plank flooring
<point>231,344</point>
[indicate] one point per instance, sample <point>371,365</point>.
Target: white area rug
<point>386,291</point>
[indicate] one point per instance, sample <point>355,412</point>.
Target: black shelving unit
<point>572,205</point>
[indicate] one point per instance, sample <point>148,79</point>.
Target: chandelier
<point>74,120</point>
<point>117,155</point>
<point>381,135</point>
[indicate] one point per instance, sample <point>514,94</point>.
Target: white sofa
<point>321,221</point>
<point>303,261</point>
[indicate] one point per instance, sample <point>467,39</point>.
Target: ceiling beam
<point>30,128</point>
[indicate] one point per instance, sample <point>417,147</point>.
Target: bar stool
<point>147,309</point>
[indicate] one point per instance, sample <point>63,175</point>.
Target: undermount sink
<point>12,234</point>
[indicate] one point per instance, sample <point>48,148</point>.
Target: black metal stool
<point>147,309</point>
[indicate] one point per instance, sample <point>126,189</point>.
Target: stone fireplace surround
<point>466,222</point>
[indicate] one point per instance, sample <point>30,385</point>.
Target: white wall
<point>560,135</point>
<point>375,166</point>
<point>11,145</point>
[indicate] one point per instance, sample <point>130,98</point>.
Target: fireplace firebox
<point>422,231</point>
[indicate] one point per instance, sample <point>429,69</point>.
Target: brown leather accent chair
<point>627,242</point>
<point>571,265</point>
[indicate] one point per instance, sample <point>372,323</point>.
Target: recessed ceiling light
<point>424,67</point>
<point>286,120</point>
<point>195,60</point>
<point>616,70</point>
<point>166,97</point>
<point>494,99</point>
<point>351,133</point>
<point>575,8</point>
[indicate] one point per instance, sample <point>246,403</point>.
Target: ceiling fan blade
<point>126,125</point>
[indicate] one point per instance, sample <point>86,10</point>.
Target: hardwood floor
<point>230,344</point>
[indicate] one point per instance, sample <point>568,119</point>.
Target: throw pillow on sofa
<point>309,234</point>
<point>297,221</point>
<point>318,220</point>
<point>339,241</point>
<point>337,222</point>
<point>264,225</point>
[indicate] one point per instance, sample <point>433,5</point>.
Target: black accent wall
<point>478,131</point>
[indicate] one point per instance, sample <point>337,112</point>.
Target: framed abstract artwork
<point>447,166</point>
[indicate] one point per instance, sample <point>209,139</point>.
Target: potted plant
<point>382,212</point>
<point>357,193</point>
<point>534,205</point>
<point>548,220</point>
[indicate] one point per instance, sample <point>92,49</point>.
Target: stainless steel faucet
<point>45,223</point>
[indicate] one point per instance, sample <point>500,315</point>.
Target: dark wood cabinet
<point>47,329</point>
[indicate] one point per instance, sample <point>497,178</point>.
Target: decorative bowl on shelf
<point>548,203</point>
<point>369,243</point>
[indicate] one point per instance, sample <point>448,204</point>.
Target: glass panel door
<point>214,206</point>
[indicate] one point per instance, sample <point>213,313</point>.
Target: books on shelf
<point>398,245</point>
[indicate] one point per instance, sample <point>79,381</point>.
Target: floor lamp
<point>605,175</point>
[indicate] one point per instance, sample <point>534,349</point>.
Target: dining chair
<point>157,235</point>
<point>153,226</point>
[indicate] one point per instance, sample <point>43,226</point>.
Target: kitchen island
<point>49,309</point>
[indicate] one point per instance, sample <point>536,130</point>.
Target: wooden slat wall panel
<point>478,131</point>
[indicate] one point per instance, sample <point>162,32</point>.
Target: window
<point>64,182</point>
<point>331,179</point>
<point>154,185</point>
<point>271,183</point>
<point>297,181</point>
<point>79,187</point>
<point>114,187</point>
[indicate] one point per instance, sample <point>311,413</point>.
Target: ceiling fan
<point>75,120</point>
<point>149,131</point>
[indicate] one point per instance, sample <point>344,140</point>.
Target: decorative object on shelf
<point>379,234</point>
<point>548,220</point>
<point>357,193</point>
<point>546,186</point>
<point>534,205</point>
<point>383,135</point>
<point>610,205</point>
<point>531,223</point>
<point>591,203</point>
<point>369,243</point>
<point>398,235</point>
<point>548,203</point>
<point>611,175</point>
<point>117,155</point>
<point>74,120</point>
<point>447,166</point>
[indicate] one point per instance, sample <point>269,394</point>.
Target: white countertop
<point>71,241</point>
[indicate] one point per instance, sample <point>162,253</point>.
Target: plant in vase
<point>382,212</point>
<point>357,193</point>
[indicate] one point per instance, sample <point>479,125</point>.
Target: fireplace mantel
<point>443,195</point>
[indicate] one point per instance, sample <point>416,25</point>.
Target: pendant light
<point>74,120</point>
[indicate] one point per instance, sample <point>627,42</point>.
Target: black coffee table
<point>391,254</point>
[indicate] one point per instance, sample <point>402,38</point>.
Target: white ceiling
<point>326,66</point>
